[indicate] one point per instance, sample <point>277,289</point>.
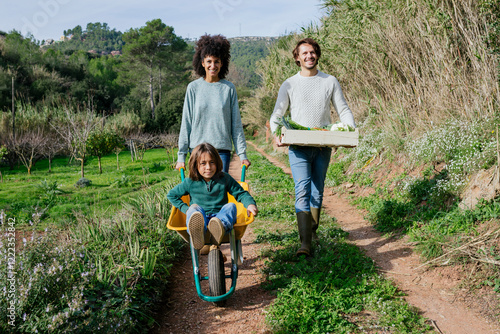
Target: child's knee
<point>194,207</point>
<point>231,207</point>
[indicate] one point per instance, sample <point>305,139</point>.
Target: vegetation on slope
<point>422,80</point>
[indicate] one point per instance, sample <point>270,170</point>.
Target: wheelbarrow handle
<point>182,169</point>
<point>243,170</point>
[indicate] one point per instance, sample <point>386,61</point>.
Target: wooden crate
<point>320,138</point>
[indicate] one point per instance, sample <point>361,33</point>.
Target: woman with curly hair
<point>211,113</point>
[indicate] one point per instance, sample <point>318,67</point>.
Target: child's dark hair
<point>195,157</point>
<point>215,46</point>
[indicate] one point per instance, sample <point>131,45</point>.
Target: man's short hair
<point>310,41</point>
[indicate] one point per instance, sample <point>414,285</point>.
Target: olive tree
<point>102,142</point>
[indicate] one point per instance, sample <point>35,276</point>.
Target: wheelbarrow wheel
<point>216,275</point>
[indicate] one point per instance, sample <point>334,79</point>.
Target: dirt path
<point>430,291</point>
<point>244,310</point>
<point>433,292</point>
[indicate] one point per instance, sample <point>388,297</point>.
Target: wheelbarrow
<point>216,272</point>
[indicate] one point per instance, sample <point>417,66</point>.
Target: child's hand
<point>252,209</point>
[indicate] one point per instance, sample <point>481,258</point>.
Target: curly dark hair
<point>309,41</point>
<point>215,46</point>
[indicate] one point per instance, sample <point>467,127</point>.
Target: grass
<point>86,259</point>
<point>22,195</point>
<point>98,258</point>
<point>335,289</point>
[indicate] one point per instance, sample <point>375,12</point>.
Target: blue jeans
<point>225,156</point>
<point>309,166</point>
<point>227,215</point>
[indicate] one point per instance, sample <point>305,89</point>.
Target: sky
<point>46,19</point>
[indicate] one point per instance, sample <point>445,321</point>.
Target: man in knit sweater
<point>308,95</point>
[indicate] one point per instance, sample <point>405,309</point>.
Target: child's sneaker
<point>196,227</point>
<point>217,229</point>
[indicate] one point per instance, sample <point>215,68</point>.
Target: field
<point>99,257</point>
<point>55,196</point>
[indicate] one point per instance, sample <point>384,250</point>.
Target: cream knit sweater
<point>309,101</point>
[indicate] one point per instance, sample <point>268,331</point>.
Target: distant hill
<point>100,39</point>
<point>97,38</point>
<point>245,53</point>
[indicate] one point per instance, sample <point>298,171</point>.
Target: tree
<point>169,142</point>
<point>53,146</point>
<point>75,132</point>
<point>102,142</point>
<point>3,151</point>
<point>147,50</point>
<point>28,146</point>
<point>117,151</point>
<point>102,74</point>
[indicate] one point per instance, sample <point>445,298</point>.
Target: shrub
<point>83,182</point>
<point>465,147</point>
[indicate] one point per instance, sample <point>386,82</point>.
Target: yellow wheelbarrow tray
<point>216,274</point>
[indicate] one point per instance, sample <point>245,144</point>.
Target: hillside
<point>98,38</point>
<point>422,79</point>
<point>409,234</point>
<point>246,52</point>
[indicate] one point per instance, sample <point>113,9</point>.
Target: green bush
<point>83,182</point>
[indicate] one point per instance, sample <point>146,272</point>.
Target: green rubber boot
<point>304,222</point>
<point>315,213</point>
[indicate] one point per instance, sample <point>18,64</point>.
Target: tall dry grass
<point>411,64</point>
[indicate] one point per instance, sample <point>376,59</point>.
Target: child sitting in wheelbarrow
<point>208,186</point>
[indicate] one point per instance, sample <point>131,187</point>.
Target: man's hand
<point>180,165</point>
<point>252,209</point>
<point>278,141</point>
<point>246,162</point>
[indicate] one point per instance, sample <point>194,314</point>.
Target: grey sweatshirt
<point>211,114</point>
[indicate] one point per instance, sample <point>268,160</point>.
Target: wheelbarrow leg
<point>196,268</point>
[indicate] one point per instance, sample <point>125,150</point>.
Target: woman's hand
<point>180,165</point>
<point>252,209</point>
<point>246,162</point>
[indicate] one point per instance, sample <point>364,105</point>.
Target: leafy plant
<point>49,191</point>
<point>123,181</point>
<point>83,182</point>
